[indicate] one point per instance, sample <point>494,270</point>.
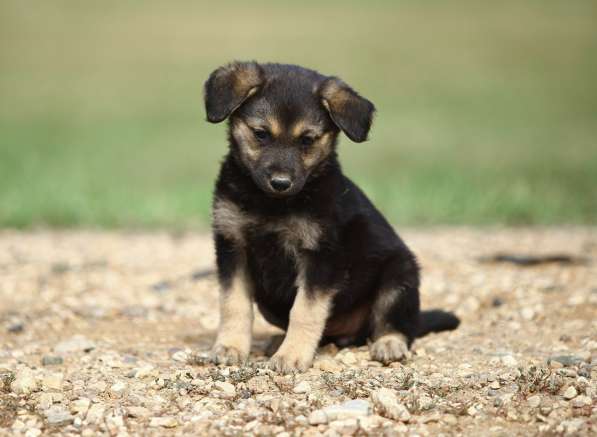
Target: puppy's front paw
<point>288,362</point>
<point>227,355</point>
<point>389,348</point>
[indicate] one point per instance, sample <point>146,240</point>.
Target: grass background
<point>487,111</point>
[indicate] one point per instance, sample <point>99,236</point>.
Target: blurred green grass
<point>487,111</point>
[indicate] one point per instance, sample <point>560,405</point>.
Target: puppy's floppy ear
<point>351,112</point>
<point>229,86</point>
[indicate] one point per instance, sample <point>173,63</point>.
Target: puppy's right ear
<point>229,86</point>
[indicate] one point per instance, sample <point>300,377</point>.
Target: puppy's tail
<point>436,321</point>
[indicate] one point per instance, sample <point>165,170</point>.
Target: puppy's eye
<point>261,134</point>
<point>306,140</point>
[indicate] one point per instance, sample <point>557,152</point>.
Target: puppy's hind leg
<point>395,312</point>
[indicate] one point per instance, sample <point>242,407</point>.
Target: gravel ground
<point>104,332</point>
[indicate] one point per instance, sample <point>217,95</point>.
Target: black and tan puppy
<point>295,235</point>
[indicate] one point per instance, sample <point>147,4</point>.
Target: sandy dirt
<point>103,332</point>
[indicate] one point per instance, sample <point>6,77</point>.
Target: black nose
<point>280,184</point>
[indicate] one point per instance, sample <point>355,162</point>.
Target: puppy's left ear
<point>351,112</point>
<point>229,86</point>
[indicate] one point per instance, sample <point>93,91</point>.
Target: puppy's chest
<point>289,233</point>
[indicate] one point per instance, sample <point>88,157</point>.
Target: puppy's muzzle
<point>280,184</point>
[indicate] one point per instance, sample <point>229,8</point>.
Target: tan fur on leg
<point>307,322</point>
<point>233,343</point>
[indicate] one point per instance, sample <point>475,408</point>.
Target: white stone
<point>473,410</point>
<point>345,426</point>
<point>57,415</point>
<point>348,358</point>
<point>52,381</point>
<point>135,411</point>
<point>77,343</point>
<point>180,356</point>
<point>527,313</point>
<point>24,382</point>
<point>80,406</point>
<point>571,427</point>
<point>145,371</point>
<point>95,414</point>
<point>98,386</point>
<point>45,401</point>
<point>118,388</point>
<point>302,387</point>
<point>581,401</point>
<point>318,417</point>
<point>348,409</point>
<point>570,393</point>
<point>509,360</point>
<point>534,401</point>
<point>18,425</point>
<point>387,404</point>
<point>164,422</point>
<point>425,402</point>
<point>227,389</point>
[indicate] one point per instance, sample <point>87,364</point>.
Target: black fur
<point>359,256</point>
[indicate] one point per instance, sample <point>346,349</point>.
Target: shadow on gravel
<point>167,284</point>
<point>534,260</point>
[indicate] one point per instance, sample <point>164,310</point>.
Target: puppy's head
<point>284,120</point>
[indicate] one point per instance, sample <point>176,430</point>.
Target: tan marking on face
<point>236,316</point>
<point>274,126</point>
<point>307,322</point>
<point>229,220</point>
<point>302,127</point>
<point>250,147</point>
<point>318,151</point>
<point>270,123</point>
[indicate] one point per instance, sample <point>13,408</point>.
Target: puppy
<point>296,236</point>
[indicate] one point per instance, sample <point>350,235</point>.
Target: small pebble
<point>581,401</point>
<point>386,402</point>
<point>227,389</point>
<point>570,393</point>
<point>534,401</point>
<point>348,409</point>
<point>52,381</point>
<point>77,343</point>
<point>16,327</point>
<point>565,360</point>
<point>24,382</point>
<point>509,360</point>
<point>58,416</point>
<point>318,417</point>
<point>164,422</point>
<point>51,360</point>
<point>302,387</point>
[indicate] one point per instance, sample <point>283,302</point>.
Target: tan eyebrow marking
<point>303,127</point>
<point>271,124</point>
<point>320,149</point>
<point>274,126</point>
